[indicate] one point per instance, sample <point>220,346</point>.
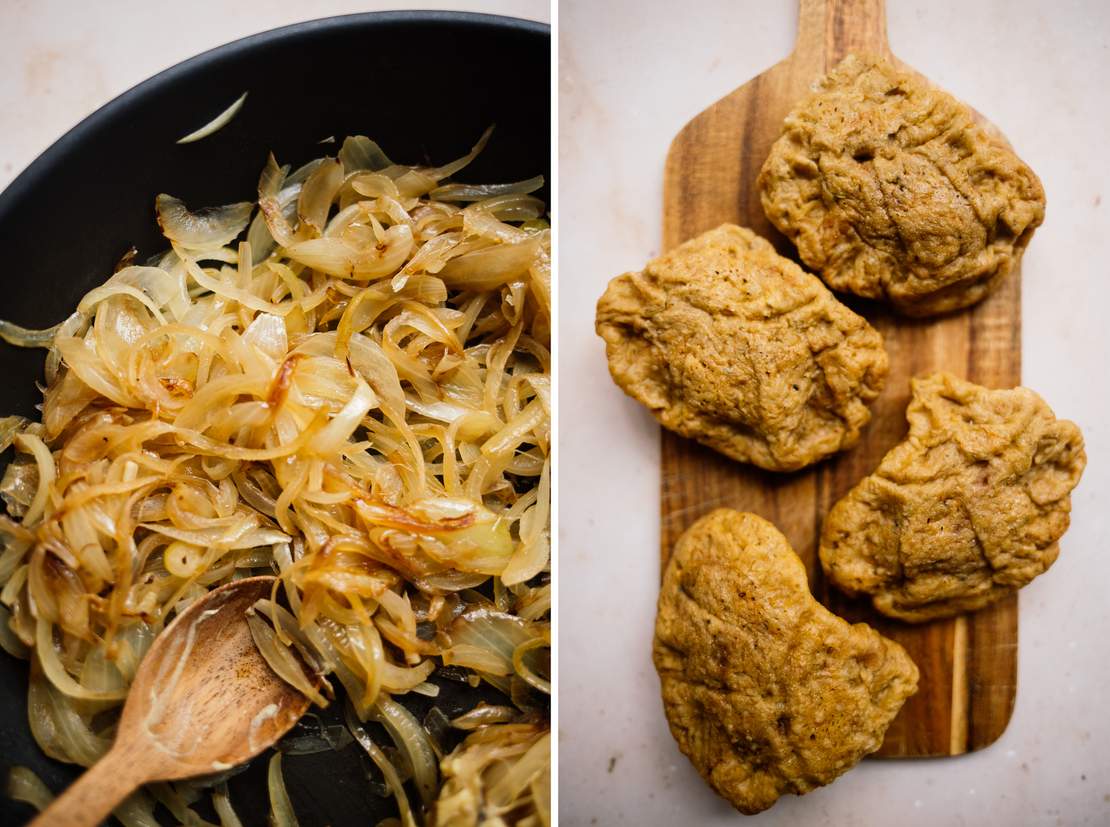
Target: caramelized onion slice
<point>210,227</point>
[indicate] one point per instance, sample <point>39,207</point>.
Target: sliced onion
<point>337,257</point>
<point>534,762</point>
<point>151,286</point>
<point>479,192</point>
<point>527,673</point>
<point>88,365</point>
<point>516,431</point>
<point>229,291</point>
<point>9,640</point>
<point>259,238</point>
<point>56,673</point>
<point>397,679</point>
<point>211,227</point>
<point>318,193</point>
<point>484,715</point>
<point>284,663</point>
<point>478,658</point>
<point>281,808</point>
<point>488,640</point>
<point>532,555</point>
<point>62,732</point>
<point>137,811</point>
<point>217,123</point>
<point>413,741</point>
<point>221,803</point>
<point>13,334</point>
<point>392,778</point>
<point>176,798</point>
<point>491,267</point>
<point>335,434</point>
<point>44,460</point>
<point>24,785</point>
<point>359,153</point>
<point>447,170</point>
<point>267,333</point>
<point>270,185</point>
<point>541,795</point>
<point>374,185</point>
<point>496,770</point>
<point>470,538</point>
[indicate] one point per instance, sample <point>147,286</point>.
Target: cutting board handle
<point>834,28</point>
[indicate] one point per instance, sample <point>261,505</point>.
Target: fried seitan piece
<point>890,190</point>
<point>968,509</point>
<point>730,344</point>
<point>765,690</point>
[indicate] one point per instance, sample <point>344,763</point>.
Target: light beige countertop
<point>632,73</point>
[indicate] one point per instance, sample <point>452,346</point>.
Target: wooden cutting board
<point>968,664</point>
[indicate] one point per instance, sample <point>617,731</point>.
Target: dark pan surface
<point>423,84</point>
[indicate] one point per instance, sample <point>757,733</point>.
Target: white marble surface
<point>63,59</point>
<point>632,73</point>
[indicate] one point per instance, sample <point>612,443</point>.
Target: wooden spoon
<point>968,664</point>
<point>202,701</point>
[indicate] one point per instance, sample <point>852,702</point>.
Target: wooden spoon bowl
<point>203,701</point>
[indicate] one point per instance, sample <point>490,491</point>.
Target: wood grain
<point>969,664</point>
<point>203,700</point>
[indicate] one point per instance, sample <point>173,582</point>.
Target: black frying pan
<point>423,84</point>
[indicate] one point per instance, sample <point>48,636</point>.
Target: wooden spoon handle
<point>93,796</point>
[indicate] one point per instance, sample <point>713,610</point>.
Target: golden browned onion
<point>355,396</point>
